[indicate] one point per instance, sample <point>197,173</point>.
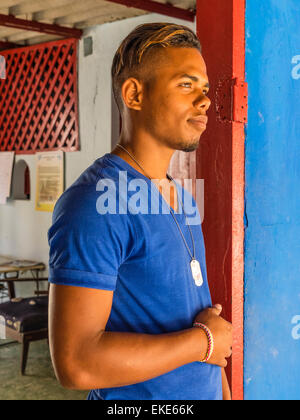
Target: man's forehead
<point>168,64</point>
<point>195,74</point>
<point>183,61</point>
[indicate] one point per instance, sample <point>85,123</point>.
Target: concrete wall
<point>272,218</point>
<point>23,231</point>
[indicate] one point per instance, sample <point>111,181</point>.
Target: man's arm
<point>86,357</point>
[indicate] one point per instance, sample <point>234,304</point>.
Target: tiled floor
<point>39,383</point>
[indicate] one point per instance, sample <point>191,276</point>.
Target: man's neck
<point>154,160</point>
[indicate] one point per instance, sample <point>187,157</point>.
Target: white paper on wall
<point>2,328</point>
<point>6,167</point>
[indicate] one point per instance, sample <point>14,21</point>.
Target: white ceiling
<point>79,14</point>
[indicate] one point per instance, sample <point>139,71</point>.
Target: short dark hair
<point>129,57</point>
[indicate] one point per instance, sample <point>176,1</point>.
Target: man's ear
<point>132,94</point>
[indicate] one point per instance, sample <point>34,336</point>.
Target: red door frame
<point>220,162</point>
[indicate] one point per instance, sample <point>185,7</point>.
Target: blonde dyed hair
<point>131,54</point>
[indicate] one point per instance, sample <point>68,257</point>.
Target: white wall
<point>23,230</point>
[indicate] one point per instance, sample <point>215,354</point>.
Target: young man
<point>128,285</point>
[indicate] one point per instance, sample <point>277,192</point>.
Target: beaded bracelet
<point>210,341</point>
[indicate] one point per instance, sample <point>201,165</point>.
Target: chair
<point>3,293</point>
<point>26,320</point>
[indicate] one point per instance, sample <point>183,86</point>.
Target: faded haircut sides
<point>131,54</point>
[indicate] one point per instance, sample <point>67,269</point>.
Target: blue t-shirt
<point>96,241</point>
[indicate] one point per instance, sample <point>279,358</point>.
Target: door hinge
<point>232,100</point>
<point>240,101</point>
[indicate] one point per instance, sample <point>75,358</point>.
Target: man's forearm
<point>120,359</point>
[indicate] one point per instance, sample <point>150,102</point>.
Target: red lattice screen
<point>38,98</point>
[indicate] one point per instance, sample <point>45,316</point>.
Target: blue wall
<point>272,216</point>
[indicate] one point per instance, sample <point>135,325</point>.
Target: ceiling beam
<point>29,25</point>
<point>161,8</point>
<point>25,36</point>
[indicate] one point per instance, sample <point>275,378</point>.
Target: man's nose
<point>202,103</point>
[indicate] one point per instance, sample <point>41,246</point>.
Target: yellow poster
<point>49,179</point>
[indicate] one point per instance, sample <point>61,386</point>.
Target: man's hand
<point>222,334</point>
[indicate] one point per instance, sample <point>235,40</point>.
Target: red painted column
<point>220,162</point>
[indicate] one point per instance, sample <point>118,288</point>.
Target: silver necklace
<point>194,264</point>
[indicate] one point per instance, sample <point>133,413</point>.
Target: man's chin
<point>189,147</point>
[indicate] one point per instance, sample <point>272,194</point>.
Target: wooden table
<point>11,268</point>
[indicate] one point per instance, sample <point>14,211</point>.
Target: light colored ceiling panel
<point>11,3</point>
<point>66,8</point>
<point>108,9</point>
<point>5,32</point>
<point>30,6</point>
<point>22,36</point>
<point>41,39</point>
<point>106,18</point>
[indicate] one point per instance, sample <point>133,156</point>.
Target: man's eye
<point>187,84</point>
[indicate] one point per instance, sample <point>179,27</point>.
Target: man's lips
<point>200,121</point>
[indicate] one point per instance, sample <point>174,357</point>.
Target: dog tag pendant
<point>196,272</point>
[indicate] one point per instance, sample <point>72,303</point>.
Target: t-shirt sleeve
<point>87,248</point>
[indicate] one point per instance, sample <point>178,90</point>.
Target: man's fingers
<point>224,363</point>
<point>229,354</point>
<point>217,309</point>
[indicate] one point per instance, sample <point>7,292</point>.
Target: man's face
<point>175,102</point>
